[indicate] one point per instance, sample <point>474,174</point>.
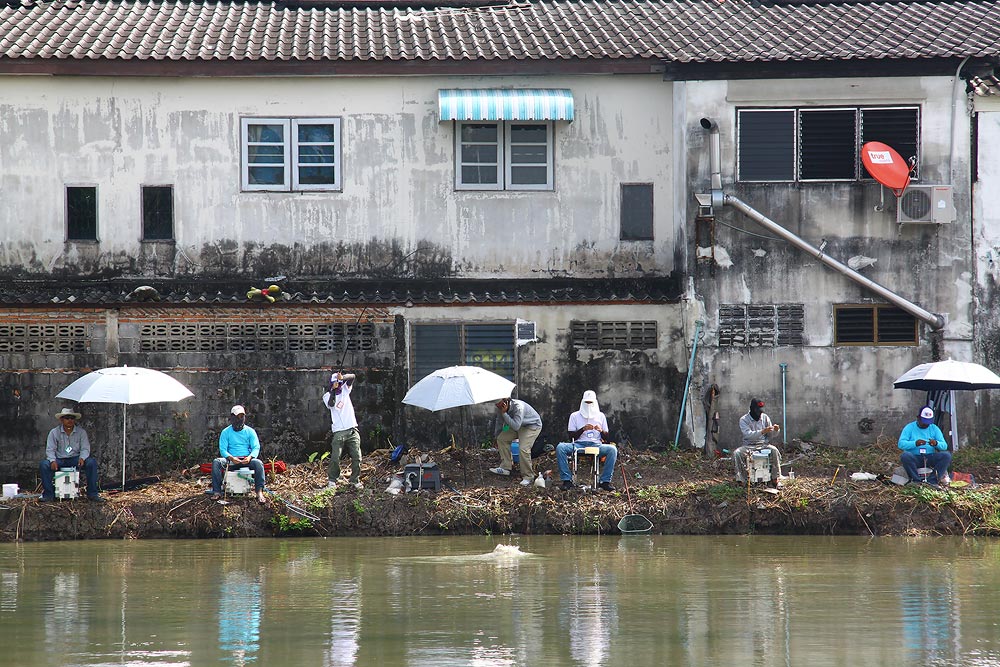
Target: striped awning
<point>498,104</point>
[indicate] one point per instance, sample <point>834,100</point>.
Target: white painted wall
<point>122,133</point>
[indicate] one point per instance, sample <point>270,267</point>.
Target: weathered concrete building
<point>420,180</point>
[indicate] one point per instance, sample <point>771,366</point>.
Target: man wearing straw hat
<point>68,447</point>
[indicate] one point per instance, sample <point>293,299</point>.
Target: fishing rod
<point>387,265</point>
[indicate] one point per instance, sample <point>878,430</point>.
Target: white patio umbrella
<point>949,376</point>
<point>126,385</point>
<point>456,386</point>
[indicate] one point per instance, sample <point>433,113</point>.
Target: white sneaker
<point>359,486</point>
<point>331,486</point>
<point>500,471</point>
<point>525,481</point>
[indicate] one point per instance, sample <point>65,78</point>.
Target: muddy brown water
<point>491,601</point>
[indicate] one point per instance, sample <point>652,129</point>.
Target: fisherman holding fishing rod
<point>344,425</point>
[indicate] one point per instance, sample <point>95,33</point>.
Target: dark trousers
<point>47,474</point>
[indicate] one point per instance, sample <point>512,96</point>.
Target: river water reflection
<point>632,601</point>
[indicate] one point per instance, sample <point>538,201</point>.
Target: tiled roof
<point>679,31</point>
<point>986,86</point>
<point>368,293</point>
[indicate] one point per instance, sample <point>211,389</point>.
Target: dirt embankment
<point>678,492</point>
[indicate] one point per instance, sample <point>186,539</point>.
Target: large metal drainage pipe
<point>719,197</point>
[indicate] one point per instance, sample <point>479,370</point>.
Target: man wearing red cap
<point>922,444</point>
<point>756,427</point>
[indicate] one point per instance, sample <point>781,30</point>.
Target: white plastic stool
<point>239,482</point>
<point>67,483</point>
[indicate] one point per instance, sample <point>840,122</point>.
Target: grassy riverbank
<point>680,492</point>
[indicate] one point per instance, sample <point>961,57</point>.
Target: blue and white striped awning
<point>497,104</point>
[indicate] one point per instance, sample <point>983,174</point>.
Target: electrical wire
<point>743,231</point>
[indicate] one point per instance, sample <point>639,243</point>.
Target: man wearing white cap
<point>68,447</point>
<point>923,445</point>
<point>239,447</point>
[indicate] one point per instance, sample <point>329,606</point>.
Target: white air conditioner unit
<point>933,204</point>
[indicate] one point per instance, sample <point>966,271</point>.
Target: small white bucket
<point>9,490</point>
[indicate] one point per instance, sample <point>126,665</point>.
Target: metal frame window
<point>636,212</point>
<point>874,325</point>
<point>81,213</point>
<point>819,144</point>
<point>157,212</point>
<point>291,154</point>
<point>489,345</point>
<point>504,155</point>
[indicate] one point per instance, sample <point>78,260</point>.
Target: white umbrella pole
<point>124,411</point>
<point>954,422</point>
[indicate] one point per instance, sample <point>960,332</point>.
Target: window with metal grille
<point>761,325</point>
<point>637,212</point>
<point>873,325</point>
<point>257,337</point>
<point>45,337</point>
<point>486,345</point>
<point>81,213</point>
<point>157,213</point>
<point>819,144</point>
<point>614,335</point>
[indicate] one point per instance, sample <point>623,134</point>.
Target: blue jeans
<point>219,467</point>
<point>938,460</point>
<point>565,449</point>
<point>47,474</point>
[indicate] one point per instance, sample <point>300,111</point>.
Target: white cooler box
<point>239,481</point>
<point>67,483</point>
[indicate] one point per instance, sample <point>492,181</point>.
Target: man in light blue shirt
<point>922,441</point>
<point>238,448</point>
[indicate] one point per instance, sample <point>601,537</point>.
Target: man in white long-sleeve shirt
<point>756,428</point>
<point>344,425</point>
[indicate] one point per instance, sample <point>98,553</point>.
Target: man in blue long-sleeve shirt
<point>920,441</point>
<point>238,448</point>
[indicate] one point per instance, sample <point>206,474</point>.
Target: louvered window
<point>614,335</point>
<point>874,325</point>
<point>761,325</point>
<point>895,127</point>
<point>819,144</point>
<point>828,139</point>
<point>488,345</point>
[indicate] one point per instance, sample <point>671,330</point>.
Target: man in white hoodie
<point>344,425</point>
<point>588,427</point>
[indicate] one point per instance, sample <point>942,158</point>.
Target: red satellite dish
<point>886,166</point>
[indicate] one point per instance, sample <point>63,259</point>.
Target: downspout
<point>720,198</point>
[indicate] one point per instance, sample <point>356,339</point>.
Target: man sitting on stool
<point>924,446</point>
<point>238,448</point>
<point>589,428</point>
<point>756,427</point>
<point>68,447</point>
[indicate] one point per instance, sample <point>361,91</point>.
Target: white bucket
<point>9,490</point>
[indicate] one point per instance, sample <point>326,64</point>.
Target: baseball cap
<point>238,410</point>
<point>926,416</point>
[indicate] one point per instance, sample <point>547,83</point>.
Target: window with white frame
<point>291,154</point>
<point>503,155</point>
<point>819,144</point>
